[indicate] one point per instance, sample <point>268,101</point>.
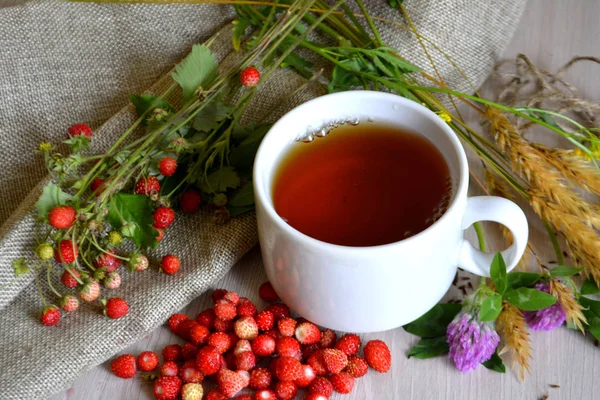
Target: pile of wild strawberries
<point>237,347</point>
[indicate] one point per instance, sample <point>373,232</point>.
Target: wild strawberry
<point>223,326</point>
<point>163,217</point>
<point>68,278</point>
<point>308,333</point>
<point>218,294</point>
<point>62,217</point>
<point>274,333</point>
<point>321,386</point>
<point>245,376</point>
<point>69,303</point>
<point>288,369</point>
<point>306,377</point>
<point>124,366</point>
<point>167,166</point>
<point>207,318</point>
<point>189,372</point>
<point>230,382</point>
<point>172,352</point>
<point>267,293</point>
<point>279,310</point>
<point>349,344</point>
<point>245,361</point>
<point>263,345</point>
<point>357,366</point>
<point>246,328</point>
<point>137,262</point>
<point>208,360</point>
<point>273,366</point>
<point>66,252</point>
<point>335,360</point>
<point>220,200</point>
<point>190,200</point>
<point>288,346</point>
<point>225,310</point>
<point>90,291</point>
<point>378,355</point>
<point>242,346</point>
<point>147,185</point>
<point>220,341</point>
<point>198,334</point>
<point>108,261</point>
<point>309,349</point>
<point>260,378</point>
<point>249,77</point>
<point>147,361</point>
<point>342,382</point>
<point>317,362</point>
<point>215,394</point>
<point>189,351</point>
<point>244,396</point>
<point>265,320</point>
<point>80,130</point>
<point>112,280</point>
<point>170,264</point>
<point>97,186</point>
<point>286,390</point>
<point>161,234</point>
<point>246,308</point>
<point>192,391</point>
<point>175,321</point>
<point>50,315</point>
<point>232,297</point>
<point>116,308</point>
<point>169,368</point>
<point>167,387</point>
<point>315,396</point>
<point>328,339</point>
<point>45,251</point>
<point>265,394</point>
<point>287,326</point>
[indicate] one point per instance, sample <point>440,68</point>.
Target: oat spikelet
<point>515,338</point>
<point>569,305</point>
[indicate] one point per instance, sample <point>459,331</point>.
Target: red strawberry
<point>288,369</point>
<point>265,320</point>
<point>218,294</point>
<point>175,321</point>
<point>80,129</point>
<point>147,361</point>
<point>192,391</point>
<point>116,308</point>
<point>267,293</point>
<point>108,261</point>
<point>124,366</point>
<point>232,297</point>
<point>357,366</point>
<point>249,77</point>
<point>198,334</point>
<point>306,377</point>
<point>184,329</point>
<point>279,310</point>
<point>90,291</point>
<point>69,303</point>
<point>230,382</point>
<point>208,360</point>
<point>223,326</point>
<point>62,217</point>
<point>245,361</point>
<point>220,341</point>
<point>274,333</point>
<point>328,339</point>
<point>265,394</point>
<point>225,310</point>
<point>309,349</point>
<point>342,382</point>
<point>246,328</point>
<point>167,387</point>
<point>147,185</point>
<point>163,217</point>
<point>308,333</point>
<point>289,347</point>
<point>378,355</point>
<point>68,279</point>
<point>315,396</point>
<point>215,394</point>
<point>244,396</point>
<point>190,200</point>
<point>349,344</point>
<point>246,308</point>
<point>66,252</point>
<point>273,366</point>
<point>335,360</point>
<point>287,326</point>
<point>241,346</point>
<point>263,345</point>
<point>50,315</point>
<point>286,390</point>
<point>161,234</point>
<point>189,373</point>
<point>260,378</point>
<point>172,352</point>
<point>317,362</point>
<point>321,386</point>
<point>97,186</point>
<point>207,318</point>
<point>170,264</point>
<point>189,351</point>
<point>167,166</point>
<point>169,368</point>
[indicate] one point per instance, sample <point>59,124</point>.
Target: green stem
<point>50,282</point>
<point>370,22</point>
<point>554,240</point>
<point>480,237</point>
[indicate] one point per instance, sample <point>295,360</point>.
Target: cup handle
<point>503,211</point>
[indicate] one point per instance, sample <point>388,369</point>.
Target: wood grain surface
<point>550,33</point>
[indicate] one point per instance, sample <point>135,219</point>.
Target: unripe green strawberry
<point>220,199</point>
<point>114,238</point>
<point>45,251</point>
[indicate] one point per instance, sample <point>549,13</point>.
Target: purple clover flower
<point>548,318</point>
<point>471,341</point>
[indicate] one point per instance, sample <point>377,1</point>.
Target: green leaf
<point>239,28</point>
<point>52,196</point>
<point>342,79</point>
<point>235,211</point>
<point>142,102</point>
<point>498,273</point>
<point>529,299</point>
<point>592,315</point>
<point>490,308</point>
<point>395,3</point>
<point>78,143</point>
<point>211,115</point>
<point>242,156</point>
<point>435,321</point>
<point>20,267</point>
<point>429,348</point>
<point>521,279</point>
<point>495,364</point>
<point>564,271</point>
<point>243,198</point>
<point>132,215</point>
<point>220,180</point>
<point>197,71</point>
<point>590,287</point>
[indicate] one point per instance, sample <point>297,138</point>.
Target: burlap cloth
<point>62,63</point>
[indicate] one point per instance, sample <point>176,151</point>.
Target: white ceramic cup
<point>367,289</point>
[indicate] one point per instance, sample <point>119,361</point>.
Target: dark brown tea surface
<point>362,185</point>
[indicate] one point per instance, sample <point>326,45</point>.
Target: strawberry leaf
<point>20,267</point>
<point>52,196</point>
<point>132,215</point>
<point>220,180</point>
<point>142,102</point>
<point>243,198</point>
<point>197,71</point>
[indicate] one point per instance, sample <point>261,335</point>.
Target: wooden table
<point>550,33</point>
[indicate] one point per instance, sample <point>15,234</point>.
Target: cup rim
<point>262,198</point>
